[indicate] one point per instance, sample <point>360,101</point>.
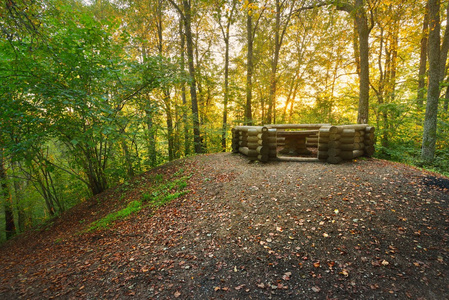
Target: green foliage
<point>158,195</point>
<point>105,222</point>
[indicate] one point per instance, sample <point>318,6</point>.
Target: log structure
<point>334,143</point>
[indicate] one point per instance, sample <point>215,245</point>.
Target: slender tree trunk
<point>423,59</point>
<point>22,216</point>
<point>170,136</point>
<point>433,91</point>
<point>226,36</point>
<point>226,94</point>
<point>193,96</point>
<point>444,48</point>
<point>271,114</point>
<point>446,100</point>
<point>361,23</point>
<point>183,94</point>
<point>152,154</point>
<point>129,163</point>
<point>10,227</point>
<point>363,31</point>
<point>249,69</point>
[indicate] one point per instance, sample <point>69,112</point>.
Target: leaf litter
<point>358,230</point>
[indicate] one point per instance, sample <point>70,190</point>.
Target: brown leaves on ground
<point>359,230</point>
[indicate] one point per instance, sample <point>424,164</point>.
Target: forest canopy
<point>95,92</point>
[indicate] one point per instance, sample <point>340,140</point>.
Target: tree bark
<point>249,67</point>
<point>193,96</point>
<point>423,59</point>
<point>152,154</point>
<point>361,22</point>
<point>433,90</point>
<point>10,227</point>
<point>183,93</point>
<point>225,30</point>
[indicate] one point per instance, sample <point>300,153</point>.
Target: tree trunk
<point>423,59</point>
<point>226,94</point>
<point>433,90</point>
<point>249,68</point>
<point>271,114</point>
<point>361,23</point>
<point>363,31</point>
<point>446,99</point>
<point>10,227</point>
<point>189,39</point>
<point>183,94</point>
<point>129,163</point>
<point>152,154</point>
<point>170,136</point>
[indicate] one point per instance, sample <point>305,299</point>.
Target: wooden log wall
<point>256,142</point>
<point>334,143</point>
<point>345,142</point>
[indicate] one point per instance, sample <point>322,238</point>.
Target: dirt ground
<point>368,229</point>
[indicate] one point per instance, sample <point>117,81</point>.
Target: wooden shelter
<point>333,143</point>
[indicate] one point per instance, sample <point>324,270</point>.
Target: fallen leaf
<point>177,294</point>
<point>261,285</point>
<point>316,289</point>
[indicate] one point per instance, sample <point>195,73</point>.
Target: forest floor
<point>367,229</point>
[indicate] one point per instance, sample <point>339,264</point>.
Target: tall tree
<point>225,26</point>
<point>185,12</point>
<point>423,59</point>
<point>433,90</point>
<point>284,11</point>
<point>358,11</point>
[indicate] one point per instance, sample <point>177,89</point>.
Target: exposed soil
<point>368,229</point>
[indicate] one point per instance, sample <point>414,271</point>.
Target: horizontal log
<point>248,152</point>
<point>253,132</point>
<point>353,126</point>
<point>312,139</point>
<point>347,140</point>
<point>296,126</point>
<point>268,140</point>
<point>326,130</point>
<point>347,147</point>
<point>252,145</point>
<point>243,144</point>
<point>246,128</point>
<point>348,132</point>
<point>370,129</point>
<point>253,139</point>
<point>296,134</point>
<point>350,154</point>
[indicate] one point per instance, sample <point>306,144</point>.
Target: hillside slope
<point>368,229</point>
